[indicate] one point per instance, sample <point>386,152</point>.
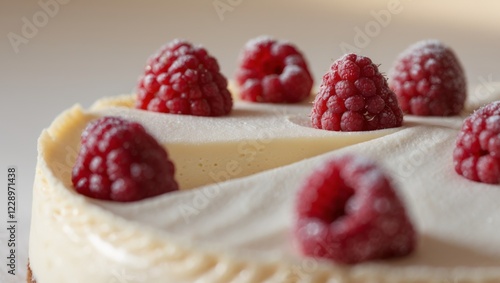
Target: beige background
<point>85,50</point>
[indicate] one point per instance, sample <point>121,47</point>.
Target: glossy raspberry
<point>429,80</point>
<point>477,151</point>
<point>120,161</point>
<point>354,96</point>
<point>273,71</point>
<point>184,79</point>
<point>349,212</point>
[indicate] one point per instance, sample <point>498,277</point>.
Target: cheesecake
<point>231,219</point>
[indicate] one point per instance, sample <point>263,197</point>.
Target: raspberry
<point>354,96</point>
<point>428,80</point>
<point>349,212</point>
<point>477,151</point>
<point>273,71</point>
<point>184,79</point>
<point>120,161</point>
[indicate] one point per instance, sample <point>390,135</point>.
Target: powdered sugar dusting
<point>278,69</point>
<point>372,222</point>
<point>253,44</point>
<point>429,80</point>
<point>477,151</point>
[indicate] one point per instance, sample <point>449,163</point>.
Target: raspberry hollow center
<point>273,68</point>
<point>338,205</point>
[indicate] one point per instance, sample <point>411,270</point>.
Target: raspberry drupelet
<point>273,71</point>
<point>120,161</point>
<point>429,80</point>
<point>354,96</point>
<point>184,79</point>
<point>477,151</point>
<point>349,212</point>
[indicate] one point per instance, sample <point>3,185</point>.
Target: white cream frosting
<point>238,230</point>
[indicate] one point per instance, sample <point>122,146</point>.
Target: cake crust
<point>29,277</point>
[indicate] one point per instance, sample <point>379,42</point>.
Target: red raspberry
<point>429,80</point>
<point>477,152</point>
<point>349,212</point>
<point>120,161</point>
<point>184,79</point>
<point>273,71</point>
<point>354,96</point>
